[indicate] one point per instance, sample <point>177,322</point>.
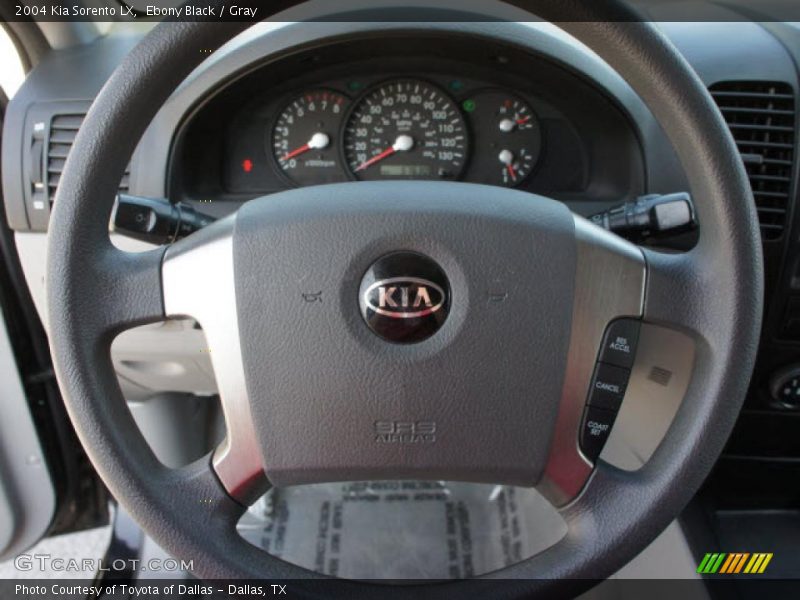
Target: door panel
<point>27,494</point>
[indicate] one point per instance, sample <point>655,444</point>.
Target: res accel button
<point>595,429</point>
<point>619,344</point>
<point>608,386</point>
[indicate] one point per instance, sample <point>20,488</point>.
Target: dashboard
<point>440,97</point>
<point>451,109</point>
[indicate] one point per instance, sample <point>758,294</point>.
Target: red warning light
<point>247,165</point>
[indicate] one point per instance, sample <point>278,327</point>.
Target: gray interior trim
<point>27,495</point>
<point>659,380</point>
<point>175,425</point>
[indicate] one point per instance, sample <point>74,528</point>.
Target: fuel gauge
<point>508,138</point>
<point>514,166</point>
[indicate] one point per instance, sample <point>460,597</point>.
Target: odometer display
<point>406,130</point>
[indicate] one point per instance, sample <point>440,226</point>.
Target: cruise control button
<point>595,429</point>
<point>619,344</point>
<point>608,386</point>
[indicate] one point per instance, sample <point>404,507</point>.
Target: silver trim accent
<point>609,283</point>
<point>198,282</point>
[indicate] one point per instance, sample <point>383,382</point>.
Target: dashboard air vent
<point>761,117</point>
<point>63,129</point>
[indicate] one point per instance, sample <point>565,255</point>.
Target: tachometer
<point>304,138</point>
<point>406,130</point>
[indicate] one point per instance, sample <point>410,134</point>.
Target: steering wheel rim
<point>95,291</point>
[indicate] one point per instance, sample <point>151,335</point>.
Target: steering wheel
<point>454,337</point>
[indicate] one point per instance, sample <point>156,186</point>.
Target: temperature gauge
<point>508,138</point>
<point>304,138</point>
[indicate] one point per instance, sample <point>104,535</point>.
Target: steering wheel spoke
<point>675,285</point>
<point>123,291</point>
<point>198,282</point>
<point>610,282</point>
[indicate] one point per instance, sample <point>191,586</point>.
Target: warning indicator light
<point>247,165</point>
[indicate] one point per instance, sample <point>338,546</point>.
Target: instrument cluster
<point>398,128</point>
<point>408,106</point>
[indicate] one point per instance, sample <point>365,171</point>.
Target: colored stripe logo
<point>734,562</point>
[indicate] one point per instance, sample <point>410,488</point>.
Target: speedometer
<point>406,130</point>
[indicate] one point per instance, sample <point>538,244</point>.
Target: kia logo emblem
<point>404,297</point>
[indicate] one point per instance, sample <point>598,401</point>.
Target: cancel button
<point>608,386</point>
